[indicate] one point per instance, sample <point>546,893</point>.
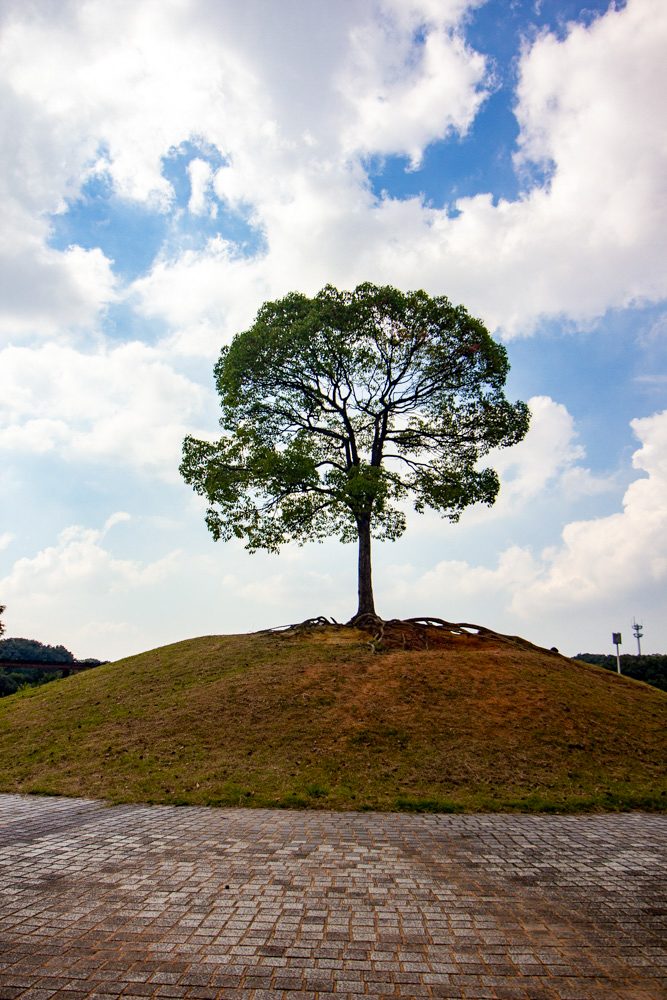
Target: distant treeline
<point>14,677</point>
<point>651,669</point>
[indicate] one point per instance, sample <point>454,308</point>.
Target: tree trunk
<point>366,603</point>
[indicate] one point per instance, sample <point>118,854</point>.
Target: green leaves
<point>337,408</point>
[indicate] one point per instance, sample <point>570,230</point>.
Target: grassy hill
<point>318,719</point>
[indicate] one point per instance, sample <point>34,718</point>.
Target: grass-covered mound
<point>318,718</point>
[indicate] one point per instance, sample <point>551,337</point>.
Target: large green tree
<point>337,408</point>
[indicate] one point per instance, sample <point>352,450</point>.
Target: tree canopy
<point>32,649</point>
<point>648,667</point>
<point>337,408</point>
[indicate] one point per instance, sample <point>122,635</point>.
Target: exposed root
<point>425,633</point>
<point>414,633</point>
<point>309,625</point>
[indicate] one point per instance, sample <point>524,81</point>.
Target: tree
<point>337,408</point>
<point>2,627</point>
<point>33,649</point>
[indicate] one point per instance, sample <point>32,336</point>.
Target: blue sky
<point>132,234</point>
<point>173,165</point>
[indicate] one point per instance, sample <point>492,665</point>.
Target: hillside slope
<point>319,719</point>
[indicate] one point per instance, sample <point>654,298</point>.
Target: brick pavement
<point>161,901</point>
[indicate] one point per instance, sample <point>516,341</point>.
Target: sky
<point>166,166</point>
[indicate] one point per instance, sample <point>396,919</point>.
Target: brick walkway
<point>140,901</point>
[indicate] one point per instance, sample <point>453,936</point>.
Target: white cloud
<point>138,79</point>
<point>201,177</point>
<point>589,108</point>
<point>42,290</point>
<point>455,578</point>
<point>118,518</point>
<point>96,631</point>
<point>124,405</point>
<point>6,538</point>
<point>404,95</point>
<point>548,458</point>
<point>590,238</point>
<point>112,90</point>
<point>49,292</point>
<point>79,564</point>
<point>624,553</point>
<point>547,466</point>
<point>97,89</point>
<point>600,562</point>
<point>214,287</point>
<point>78,593</point>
